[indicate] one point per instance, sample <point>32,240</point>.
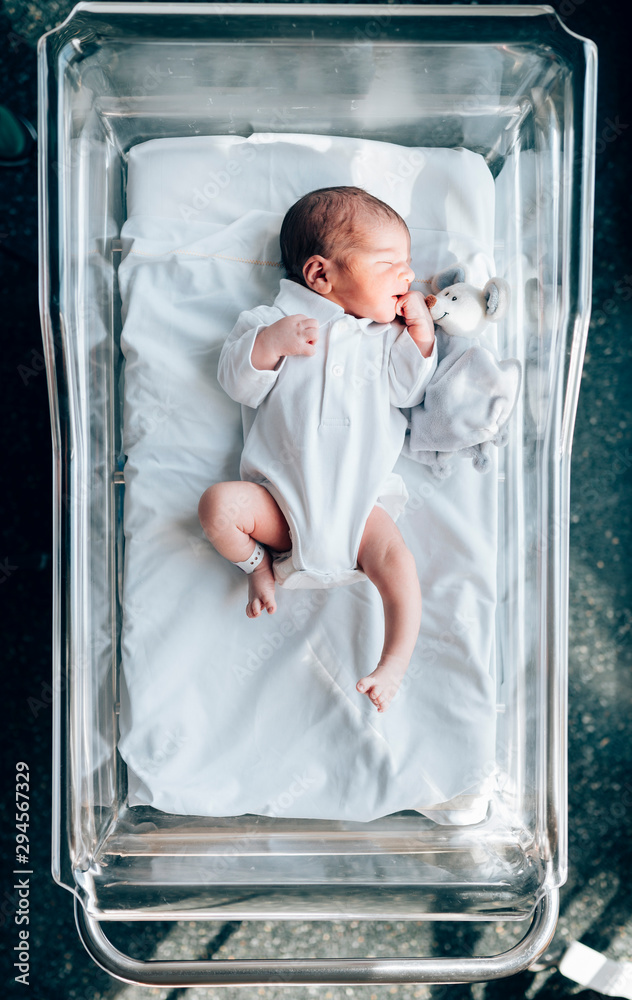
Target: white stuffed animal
<point>463,310</point>
<point>471,395</point>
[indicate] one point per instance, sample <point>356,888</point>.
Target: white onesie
<point>323,433</point>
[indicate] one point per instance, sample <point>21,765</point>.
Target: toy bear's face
<point>460,310</point>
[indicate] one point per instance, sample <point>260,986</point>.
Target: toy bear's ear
<point>449,276</point>
<point>496,293</point>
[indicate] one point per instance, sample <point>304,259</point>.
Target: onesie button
<point>337,370</point>
<point>342,325</point>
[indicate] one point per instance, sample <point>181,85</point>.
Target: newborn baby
<point>322,373</point>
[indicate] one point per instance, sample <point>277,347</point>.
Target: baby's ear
<point>315,273</point>
<point>452,275</point>
<point>497,296</point>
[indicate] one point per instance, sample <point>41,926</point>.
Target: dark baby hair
<point>326,219</point>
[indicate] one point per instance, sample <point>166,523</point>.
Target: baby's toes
<point>378,699</point>
<point>253,610</point>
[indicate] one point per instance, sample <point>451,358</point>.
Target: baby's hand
<point>416,315</point>
<point>412,306</point>
<point>292,335</point>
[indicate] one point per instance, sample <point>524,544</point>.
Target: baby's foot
<point>382,685</point>
<point>261,589</point>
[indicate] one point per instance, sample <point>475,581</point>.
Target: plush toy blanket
<point>222,715</point>
<point>466,407</point>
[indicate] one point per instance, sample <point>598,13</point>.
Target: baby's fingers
<point>403,305</point>
<point>308,329</point>
<point>411,306</point>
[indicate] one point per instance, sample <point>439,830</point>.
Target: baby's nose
<point>431,300</point>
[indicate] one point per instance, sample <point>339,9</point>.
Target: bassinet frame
<point>92,827</point>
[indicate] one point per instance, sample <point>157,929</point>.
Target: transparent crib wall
<point>533,252</point>
<point>374,90</point>
<point>89,176</point>
<point>504,101</point>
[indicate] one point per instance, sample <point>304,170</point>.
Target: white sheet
<point>222,715</point>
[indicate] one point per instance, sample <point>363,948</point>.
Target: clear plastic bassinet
<point>509,83</point>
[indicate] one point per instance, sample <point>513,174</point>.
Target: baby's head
<point>349,247</point>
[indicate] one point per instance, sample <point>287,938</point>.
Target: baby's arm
<point>246,378</point>
<point>292,335</point>
<point>413,354</point>
<point>416,315</point>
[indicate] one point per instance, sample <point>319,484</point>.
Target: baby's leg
<point>387,562</point>
<point>237,515</point>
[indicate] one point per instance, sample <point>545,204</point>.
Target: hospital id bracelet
<point>249,565</point>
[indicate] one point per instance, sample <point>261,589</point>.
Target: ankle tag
<point>249,565</point>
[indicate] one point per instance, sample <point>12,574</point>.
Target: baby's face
<point>376,273</point>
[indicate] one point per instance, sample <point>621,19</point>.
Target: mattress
<point>222,715</point>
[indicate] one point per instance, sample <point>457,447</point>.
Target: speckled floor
<point>597,900</point>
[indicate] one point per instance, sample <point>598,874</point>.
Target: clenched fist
<point>292,335</point>
<point>416,315</point>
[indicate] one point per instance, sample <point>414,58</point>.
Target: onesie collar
<point>295,298</point>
